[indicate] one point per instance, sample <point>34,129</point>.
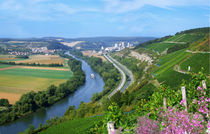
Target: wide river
<point>84,93</point>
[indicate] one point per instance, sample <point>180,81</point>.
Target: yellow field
<point>22,84</point>
<point>43,59</point>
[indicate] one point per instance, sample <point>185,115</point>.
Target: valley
<point>136,80</point>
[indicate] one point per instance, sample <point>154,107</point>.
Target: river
<point>84,93</point>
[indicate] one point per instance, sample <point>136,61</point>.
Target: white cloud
<point>122,6</point>
<point>40,10</point>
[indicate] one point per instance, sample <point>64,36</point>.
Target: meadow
<point>77,126</point>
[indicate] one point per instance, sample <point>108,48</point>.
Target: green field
<point>160,47</point>
<point>78,126</point>
<point>38,73</point>
<point>196,61</point>
<point>18,81</point>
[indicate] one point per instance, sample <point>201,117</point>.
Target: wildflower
<point>199,88</point>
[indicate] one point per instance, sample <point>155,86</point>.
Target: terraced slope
<point>198,39</point>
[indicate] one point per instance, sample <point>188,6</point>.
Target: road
<point>123,71</point>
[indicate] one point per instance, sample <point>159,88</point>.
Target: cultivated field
<point>43,59</point>
<point>17,80</point>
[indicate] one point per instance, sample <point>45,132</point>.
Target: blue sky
<point>88,18</point>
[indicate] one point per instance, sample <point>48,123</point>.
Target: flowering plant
<point>147,126</point>
<point>180,122</point>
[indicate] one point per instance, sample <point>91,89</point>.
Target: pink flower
<point>199,88</point>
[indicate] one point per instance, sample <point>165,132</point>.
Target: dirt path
<point>189,51</point>
<point>174,42</point>
<point>30,67</point>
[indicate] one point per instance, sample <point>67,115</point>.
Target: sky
<point>90,18</point>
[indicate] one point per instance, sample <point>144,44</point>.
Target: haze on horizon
<point>88,18</point>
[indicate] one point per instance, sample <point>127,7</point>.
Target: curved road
<point>123,71</point>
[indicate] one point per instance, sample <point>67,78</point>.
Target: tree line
<point>33,64</point>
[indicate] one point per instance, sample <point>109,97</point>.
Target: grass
<point>78,126</point>
<point>196,62</point>
<point>39,73</point>
<point>160,47</point>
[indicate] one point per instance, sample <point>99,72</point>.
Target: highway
<point>123,71</point>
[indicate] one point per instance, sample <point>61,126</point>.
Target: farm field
<point>196,62</point>
<point>43,59</point>
<point>17,80</point>
<point>78,126</point>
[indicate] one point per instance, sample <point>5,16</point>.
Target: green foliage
<point>4,102</point>
<point>114,114</point>
<point>22,56</point>
<point>32,64</point>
